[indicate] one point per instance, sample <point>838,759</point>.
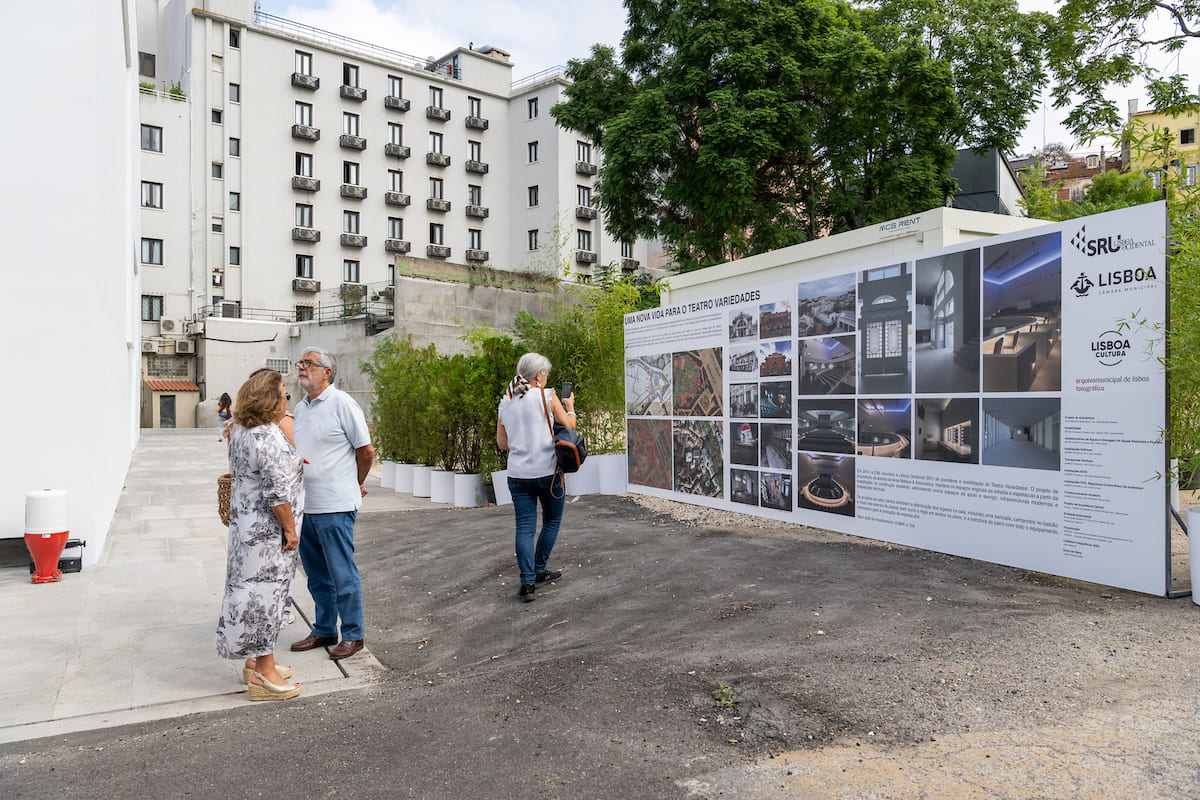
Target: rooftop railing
<point>539,77</point>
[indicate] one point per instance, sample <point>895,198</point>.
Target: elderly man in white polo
<point>332,436</point>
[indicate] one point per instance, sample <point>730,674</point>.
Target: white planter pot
<point>441,486</point>
<point>500,485</point>
<point>587,480</point>
<point>404,477</point>
<point>612,472</point>
<point>387,478</point>
<point>468,490</point>
<point>421,474</point>
<point>1193,525</point>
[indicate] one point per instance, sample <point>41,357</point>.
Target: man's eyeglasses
<point>310,364</point>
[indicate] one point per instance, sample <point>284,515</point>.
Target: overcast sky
<point>540,34</point>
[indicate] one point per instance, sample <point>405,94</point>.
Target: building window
<point>235,146</point>
<point>350,222</point>
<point>303,62</point>
<point>235,93</point>
<point>218,116</point>
<point>435,142</point>
<point>583,240</point>
<point>304,114</point>
<point>533,152</point>
<point>474,107</point>
<point>395,228</point>
<point>349,271</point>
<point>394,85</point>
<point>395,180</point>
<point>475,151</point>
<point>531,239</point>
<point>435,96</point>
<point>146,64</point>
<point>152,251</point>
<point>304,164</point>
<point>218,63</point>
<point>626,249</point>
<point>532,105</point>
<point>583,196</point>
<point>235,201</point>
<point>235,256</point>
<point>304,313</point>
<point>349,75</point>
<point>533,196</point>
<point>436,187</point>
<point>1187,136</point>
<point>395,133</point>
<point>349,123</point>
<point>350,173</point>
<point>474,238</point>
<point>151,195</point>
<point>1190,175</point>
<point>218,169</point>
<point>218,224</point>
<point>304,215</point>
<point>152,138</point>
<point>436,233</point>
<point>391,274</point>
<point>151,307</point>
<point>583,152</point>
<point>304,266</point>
<point>474,195</point>
<point>1093,162</point>
<point>235,38</point>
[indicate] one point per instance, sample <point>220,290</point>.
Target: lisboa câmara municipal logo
<point>1081,285</point>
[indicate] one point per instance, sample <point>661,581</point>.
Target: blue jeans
<point>526,492</point>
<point>327,553</point>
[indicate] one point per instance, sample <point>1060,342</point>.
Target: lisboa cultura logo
<point>1110,348</point>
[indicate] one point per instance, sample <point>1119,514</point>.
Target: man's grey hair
<point>326,358</point>
<point>531,364</point>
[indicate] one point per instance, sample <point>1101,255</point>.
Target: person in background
<point>224,412</point>
<point>332,436</point>
<point>524,429</point>
<point>267,502</point>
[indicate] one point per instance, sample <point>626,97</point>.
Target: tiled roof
<point>172,386</point>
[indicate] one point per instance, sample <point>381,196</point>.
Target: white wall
<point>70,320</point>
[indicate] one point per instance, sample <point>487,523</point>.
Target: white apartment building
<point>292,165</point>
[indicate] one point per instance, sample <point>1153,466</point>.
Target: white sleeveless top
<point>530,443</point>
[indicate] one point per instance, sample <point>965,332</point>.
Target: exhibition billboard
<point>994,400</point>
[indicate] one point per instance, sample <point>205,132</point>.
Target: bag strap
<point>546,408</point>
<point>558,473</point>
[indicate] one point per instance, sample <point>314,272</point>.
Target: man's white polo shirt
<point>328,431</point>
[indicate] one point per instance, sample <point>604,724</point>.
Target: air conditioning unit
<point>231,310</point>
<point>166,326</point>
<point>195,329</point>
<point>185,347</point>
<point>149,346</point>
<point>294,331</point>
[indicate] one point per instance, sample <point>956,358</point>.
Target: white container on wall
<point>468,490</point>
<point>404,478</point>
<point>441,486</point>
<point>387,477</point>
<point>421,474</point>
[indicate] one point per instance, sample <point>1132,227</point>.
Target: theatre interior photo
<point>826,483</point>
<point>884,299</point>
<point>1022,315</point>
<point>825,426</point>
<point>743,486</point>
<point>947,430</point>
<point>776,444</point>
<point>826,365</point>
<point>885,428</point>
<point>947,323</point>
<point>825,306</point>
<point>1022,432</point>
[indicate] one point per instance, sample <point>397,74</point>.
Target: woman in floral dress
<point>264,515</point>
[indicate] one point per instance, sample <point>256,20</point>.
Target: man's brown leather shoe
<point>345,649</point>
<point>311,642</point>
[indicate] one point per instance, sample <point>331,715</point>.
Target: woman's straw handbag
<point>224,491</point>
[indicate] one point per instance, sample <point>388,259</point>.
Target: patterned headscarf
<point>517,387</point>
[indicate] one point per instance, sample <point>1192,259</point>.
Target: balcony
<point>585,212</point>
<point>478,123</point>
<point>437,204</point>
<point>306,132</point>
<point>584,168</point>
<point>354,190</point>
<point>305,183</point>
<point>433,112</point>
<point>306,235</point>
<point>477,211</point>
<point>302,81</point>
<point>396,245</point>
<point>477,255</point>
<point>585,257</point>
<point>630,264</point>
<point>353,240</point>
<point>396,103</point>
<point>437,251</point>
<point>306,285</point>
<point>397,150</point>
<point>396,199</point>
<point>437,159</point>
<point>352,142</point>
<point>353,93</point>
<point>478,167</point>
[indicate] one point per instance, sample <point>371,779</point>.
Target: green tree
<point>1108,191</point>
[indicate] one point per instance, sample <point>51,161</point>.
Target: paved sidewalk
<point>131,638</point>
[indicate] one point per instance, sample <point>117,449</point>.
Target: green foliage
<point>146,86</point>
<point>724,697</point>
<point>1108,191</point>
<point>400,374</point>
<point>176,91</point>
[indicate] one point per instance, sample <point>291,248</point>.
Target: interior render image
<point>1022,432</point>
<point>947,323</point>
<point>884,316</point>
<point>825,483</point>
<point>885,428</point>
<point>947,430</point>
<point>826,365</point>
<point>1022,315</point>
<point>825,426</point>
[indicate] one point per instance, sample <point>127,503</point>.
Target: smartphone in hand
<point>566,389</point>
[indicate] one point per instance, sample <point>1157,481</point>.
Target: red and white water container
<point>46,532</point>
